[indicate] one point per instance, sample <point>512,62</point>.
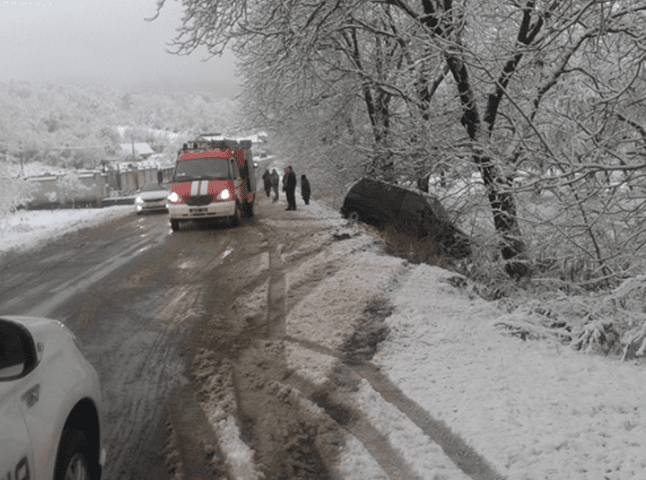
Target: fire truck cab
<point>214,178</point>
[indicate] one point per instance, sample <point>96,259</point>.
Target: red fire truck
<point>214,178</point>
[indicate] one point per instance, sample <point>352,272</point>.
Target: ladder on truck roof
<point>216,140</point>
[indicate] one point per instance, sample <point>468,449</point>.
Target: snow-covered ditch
<point>533,409</point>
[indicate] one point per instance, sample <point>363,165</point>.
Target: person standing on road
<point>266,178</point>
<point>275,181</point>
<point>306,190</point>
<point>290,188</point>
<point>285,171</point>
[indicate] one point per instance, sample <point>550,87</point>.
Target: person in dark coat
<point>290,188</point>
<point>306,191</point>
<point>266,178</point>
<point>275,181</point>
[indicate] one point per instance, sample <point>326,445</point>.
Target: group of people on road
<point>272,180</point>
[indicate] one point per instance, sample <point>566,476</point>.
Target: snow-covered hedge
<point>14,192</point>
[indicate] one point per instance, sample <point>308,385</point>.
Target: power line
<point>77,148</point>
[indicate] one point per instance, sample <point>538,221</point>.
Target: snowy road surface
<point>246,352</point>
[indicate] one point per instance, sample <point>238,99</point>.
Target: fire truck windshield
<point>203,169</point>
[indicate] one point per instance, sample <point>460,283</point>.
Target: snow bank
<point>535,410</point>
<point>25,229</point>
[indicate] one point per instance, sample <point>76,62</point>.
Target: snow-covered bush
<point>613,322</point>
<point>14,193</point>
<point>72,187</point>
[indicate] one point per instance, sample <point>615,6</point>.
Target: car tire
<point>236,219</point>
<point>353,216</point>
<point>174,225</point>
<point>72,457</point>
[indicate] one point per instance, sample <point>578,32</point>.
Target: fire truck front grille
<point>198,200</point>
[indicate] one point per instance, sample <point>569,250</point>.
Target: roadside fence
<point>92,189</point>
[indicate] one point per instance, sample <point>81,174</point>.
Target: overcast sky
<point>99,41</point>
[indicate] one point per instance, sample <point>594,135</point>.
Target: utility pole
<point>22,169</point>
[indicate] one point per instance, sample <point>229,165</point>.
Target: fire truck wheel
<point>236,219</point>
<point>174,225</point>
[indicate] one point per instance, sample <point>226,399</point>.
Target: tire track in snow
<point>461,457</point>
<point>196,440</point>
<point>376,444</point>
<point>455,448</point>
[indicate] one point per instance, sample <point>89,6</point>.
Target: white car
<point>50,404</point>
<point>152,197</point>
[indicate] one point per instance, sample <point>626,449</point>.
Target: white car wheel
<point>71,462</point>
<point>77,468</point>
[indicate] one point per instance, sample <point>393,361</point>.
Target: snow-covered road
<point>531,409</point>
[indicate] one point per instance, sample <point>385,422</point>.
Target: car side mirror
<point>18,354</point>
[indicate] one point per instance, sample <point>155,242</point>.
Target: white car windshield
<point>154,187</point>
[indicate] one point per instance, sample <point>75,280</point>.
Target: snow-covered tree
<point>71,187</point>
<point>549,87</point>
<point>14,193</point>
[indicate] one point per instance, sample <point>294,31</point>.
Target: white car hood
<point>157,195</point>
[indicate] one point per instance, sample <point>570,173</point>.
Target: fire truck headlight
<point>174,198</point>
<point>139,201</point>
<point>224,194</point>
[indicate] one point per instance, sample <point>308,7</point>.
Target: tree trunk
<point>377,107</point>
<point>442,19</point>
<point>505,220</point>
<point>503,206</point>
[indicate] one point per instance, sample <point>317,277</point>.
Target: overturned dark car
<point>418,215</point>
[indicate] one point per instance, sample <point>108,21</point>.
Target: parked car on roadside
<point>50,403</point>
<point>152,198</point>
<point>415,214</point>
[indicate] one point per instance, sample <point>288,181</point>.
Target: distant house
<point>141,150</point>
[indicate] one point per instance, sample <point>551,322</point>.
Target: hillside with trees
<point>524,117</point>
<point>75,126</point>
